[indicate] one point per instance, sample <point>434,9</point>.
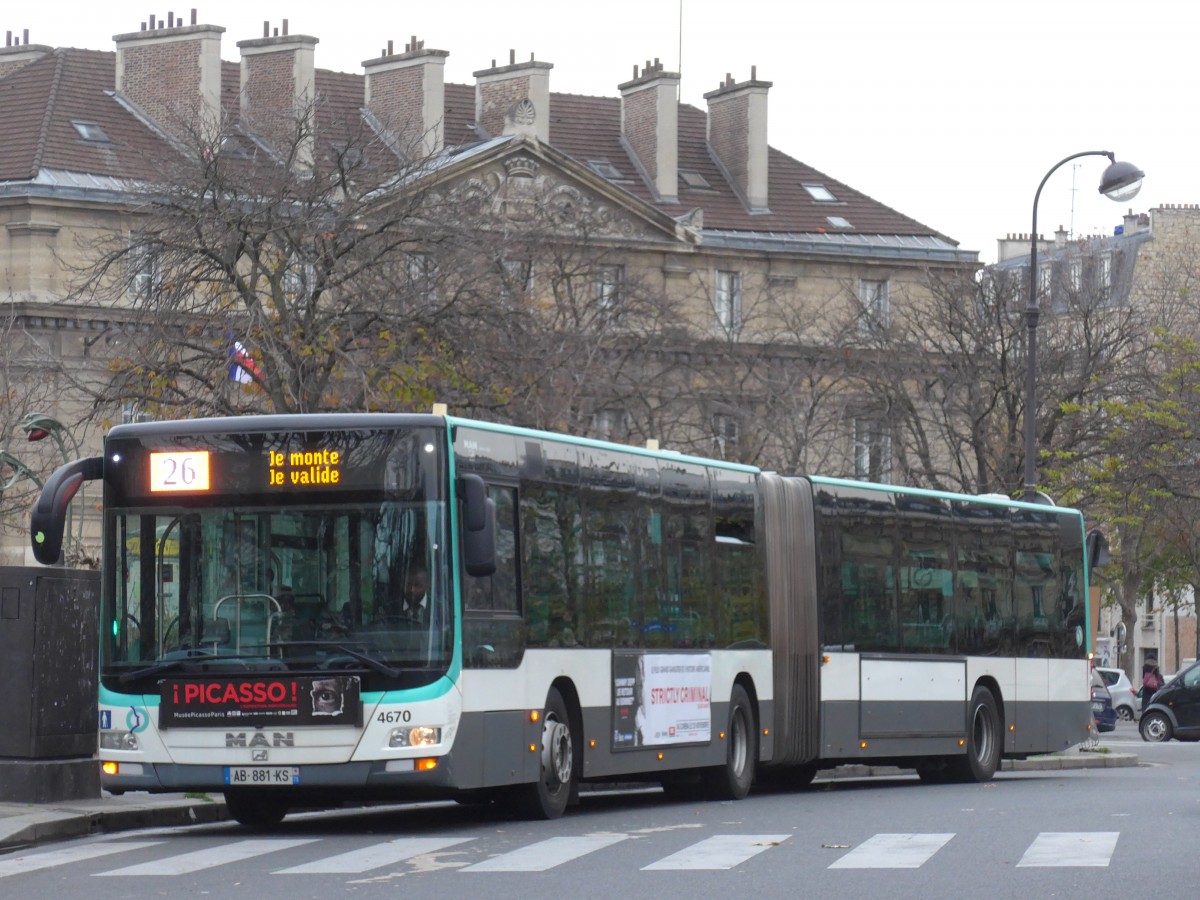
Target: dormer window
<point>90,131</point>
<point>820,193</point>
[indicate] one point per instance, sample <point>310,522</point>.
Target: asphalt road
<point>1074,833</point>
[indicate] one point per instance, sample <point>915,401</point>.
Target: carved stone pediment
<point>523,188</point>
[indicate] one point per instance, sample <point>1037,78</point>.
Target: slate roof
<point>41,99</point>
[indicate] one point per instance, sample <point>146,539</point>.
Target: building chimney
<point>406,92</point>
<point>18,52</point>
<point>514,99</point>
<point>278,87</point>
<point>737,136</point>
<point>173,75</point>
<point>650,126</point>
<point>1060,237</point>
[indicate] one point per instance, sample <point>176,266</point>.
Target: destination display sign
<point>290,465</point>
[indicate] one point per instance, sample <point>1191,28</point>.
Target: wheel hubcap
<point>1156,729</point>
<point>557,753</point>
<point>737,742</point>
<point>982,735</point>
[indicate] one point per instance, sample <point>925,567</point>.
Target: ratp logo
<point>136,720</point>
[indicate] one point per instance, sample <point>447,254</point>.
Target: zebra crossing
<point>716,852</point>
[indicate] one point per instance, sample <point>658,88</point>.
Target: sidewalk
<point>28,824</point>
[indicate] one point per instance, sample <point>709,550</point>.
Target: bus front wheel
<point>255,809</point>
<point>547,798</point>
<point>732,780</point>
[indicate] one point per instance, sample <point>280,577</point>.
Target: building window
<point>838,221</point>
<point>144,266</point>
<point>516,278</point>
<point>725,435</point>
<point>694,179</point>
<point>873,297</point>
<point>420,271</point>
<point>820,193</point>
<point>1076,273</point>
<point>727,301</point>
<point>605,169</point>
<point>1104,280</point>
<point>90,131</point>
<point>297,282</point>
<point>872,450</point>
<point>1045,280</point>
<point>607,288</point>
<point>610,424</point>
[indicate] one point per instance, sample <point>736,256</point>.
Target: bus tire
<point>983,740</point>
<point>548,797</point>
<point>255,809</point>
<point>732,780</point>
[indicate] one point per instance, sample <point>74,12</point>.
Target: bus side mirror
<point>48,519</point>
<point>478,527</point>
<point>1097,550</point>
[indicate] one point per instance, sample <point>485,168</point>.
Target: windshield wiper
<point>169,665</point>
<point>369,661</point>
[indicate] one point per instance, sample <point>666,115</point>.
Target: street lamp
<point>20,470</point>
<point>38,427</point>
<point>1120,182</point>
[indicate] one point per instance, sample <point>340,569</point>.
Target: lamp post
<point>1120,182</point>
<point>20,470</point>
<point>38,427</point>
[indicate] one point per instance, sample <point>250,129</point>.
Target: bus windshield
<point>305,586</point>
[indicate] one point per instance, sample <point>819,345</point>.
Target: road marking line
<point>1071,848</point>
<point>722,851</point>
<point>209,858</point>
<point>373,857</point>
<point>21,864</point>
<point>546,854</point>
<point>893,851</point>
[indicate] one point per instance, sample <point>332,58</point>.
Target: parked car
<point>1102,705</point>
<point>1124,697</point>
<point>1174,711</point>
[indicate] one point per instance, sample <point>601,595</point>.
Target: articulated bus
<point>308,609</point>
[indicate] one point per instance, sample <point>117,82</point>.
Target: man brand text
<point>278,739</point>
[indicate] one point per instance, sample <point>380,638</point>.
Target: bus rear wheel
<point>983,741</point>
<point>732,780</point>
<point>255,809</point>
<point>547,798</point>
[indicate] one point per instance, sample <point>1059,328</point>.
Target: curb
<point>38,826</point>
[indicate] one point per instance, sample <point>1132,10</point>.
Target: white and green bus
<point>308,609</point>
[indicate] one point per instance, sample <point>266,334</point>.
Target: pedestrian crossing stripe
<point>19,865</point>
<point>717,852</point>
<point>211,857</point>
<point>722,851</point>
<point>893,851</point>
<point>1071,848</point>
<point>365,859</point>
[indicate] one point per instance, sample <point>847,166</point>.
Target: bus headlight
<point>118,740</point>
<point>415,736</point>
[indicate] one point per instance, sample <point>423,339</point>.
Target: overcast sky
<point>950,112</point>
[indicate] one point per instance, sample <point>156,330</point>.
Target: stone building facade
<point>762,252</point>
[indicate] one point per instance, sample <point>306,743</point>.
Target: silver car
<point>1124,697</point>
